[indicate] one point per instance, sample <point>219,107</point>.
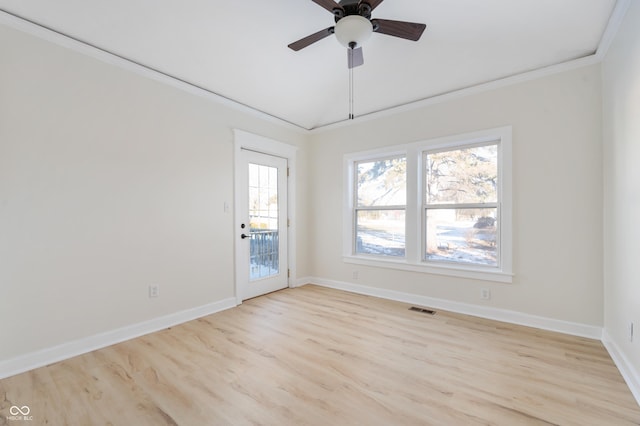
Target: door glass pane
<point>462,235</point>
<point>263,221</point>
<point>380,232</point>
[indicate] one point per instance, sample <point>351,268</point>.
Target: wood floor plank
<point>316,356</point>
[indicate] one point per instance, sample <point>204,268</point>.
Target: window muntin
<point>380,204</point>
<point>461,205</point>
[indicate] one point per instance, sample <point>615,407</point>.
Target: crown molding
<point>61,39</point>
<point>464,92</point>
<point>38,30</point>
<point>613,26</point>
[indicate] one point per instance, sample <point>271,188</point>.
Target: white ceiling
<point>238,49</point>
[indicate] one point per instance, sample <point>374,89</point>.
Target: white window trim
<point>413,216</point>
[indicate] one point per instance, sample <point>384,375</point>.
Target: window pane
<point>263,221</point>
<point>382,183</point>
<point>462,235</point>
<point>467,175</point>
<point>380,232</point>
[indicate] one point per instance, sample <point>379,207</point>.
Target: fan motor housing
<point>352,7</point>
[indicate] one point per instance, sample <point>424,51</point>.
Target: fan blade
<point>355,57</point>
<point>372,3</point>
<point>310,39</point>
<point>330,5</point>
<point>408,30</point>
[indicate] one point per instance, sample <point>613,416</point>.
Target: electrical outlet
<point>154,291</point>
<point>631,332</point>
<point>485,294</point>
<point>355,275</point>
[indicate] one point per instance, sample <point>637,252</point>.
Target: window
<point>461,205</point>
<point>380,206</point>
<point>439,206</point>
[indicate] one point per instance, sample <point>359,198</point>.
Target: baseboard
<point>300,282</point>
<point>68,350</point>
<point>513,317</point>
<point>628,371</point>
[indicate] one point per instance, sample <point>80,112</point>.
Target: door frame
<point>263,145</point>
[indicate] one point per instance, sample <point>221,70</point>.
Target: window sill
<point>451,271</point>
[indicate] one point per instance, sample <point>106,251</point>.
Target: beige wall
<point>557,196</point>
<point>621,107</point>
<point>110,182</point>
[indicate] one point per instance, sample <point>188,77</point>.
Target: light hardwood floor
<point>324,357</point>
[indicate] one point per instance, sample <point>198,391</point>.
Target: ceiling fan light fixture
<point>353,29</point>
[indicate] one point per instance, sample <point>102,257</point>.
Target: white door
<point>261,264</point>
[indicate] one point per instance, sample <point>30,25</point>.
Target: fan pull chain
<point>351,116</point>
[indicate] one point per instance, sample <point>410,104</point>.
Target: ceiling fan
<point>354,26</point>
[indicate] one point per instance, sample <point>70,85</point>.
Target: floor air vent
<point>423,310</point>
